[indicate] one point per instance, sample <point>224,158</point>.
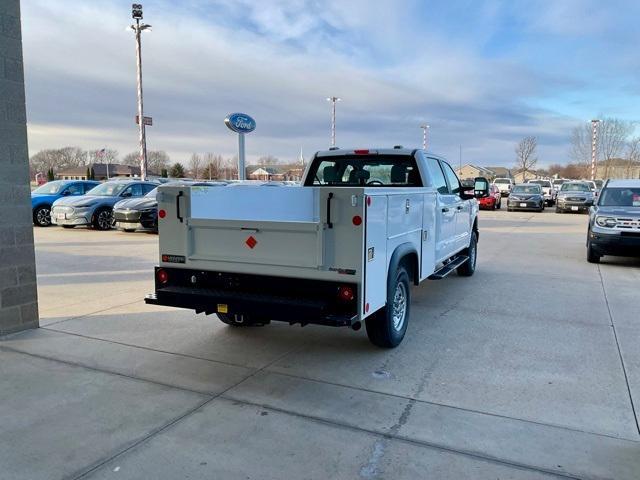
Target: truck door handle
<point>459,207</point>
<point>180,194</point>
<point>329,197</point>
<point>445,209</point>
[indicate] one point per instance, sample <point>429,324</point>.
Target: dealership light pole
<point>333,101</point>
<point>136,14</point>
<point>424,128</point>
<point>594,147</point>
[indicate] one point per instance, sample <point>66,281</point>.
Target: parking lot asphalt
<point>528,369</point>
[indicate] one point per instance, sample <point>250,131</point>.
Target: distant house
<point>500,172</point>
<point>520,176</point>
<point>275,173</point>
<point>618,168</point>
<point>102,171</point>
<point>472,171</point>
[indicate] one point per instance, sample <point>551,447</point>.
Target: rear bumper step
<point>449,267</point>
<point>269,307</point>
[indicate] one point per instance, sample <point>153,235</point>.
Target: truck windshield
<point>575,187</point>
<point>365,170</point>
<point>620,197</point>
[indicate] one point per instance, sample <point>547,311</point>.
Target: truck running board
<point>449,267</point>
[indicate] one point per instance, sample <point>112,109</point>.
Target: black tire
<point>68,226</point>
<point>592,255</point>
<point>245,320</point>
<point>129,230</point>
<point>42,216</point>
<point>558,210</point>
<point>469,267</point>
<point>385,329</point>
<point>500,204</point>
<point>102,219</point>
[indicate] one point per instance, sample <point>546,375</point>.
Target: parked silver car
<point>548,191</point>
<point>95,208</point>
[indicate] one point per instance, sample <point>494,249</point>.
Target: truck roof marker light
<point>366,307</point>
<point>357,220</point>
<point>361,152</point>
<point>162,213</point>
<point>368,201</point>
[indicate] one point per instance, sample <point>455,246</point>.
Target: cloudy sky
<point>483,74</point>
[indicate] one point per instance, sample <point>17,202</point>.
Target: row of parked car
<point>126,204</point>
<point>565,195</point>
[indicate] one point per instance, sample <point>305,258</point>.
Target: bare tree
<point>106,155</point>
<point>268,160</point>
<point>58,159</point>
<point>195,163</point>
<point>580,151</point>
<point>612,138</point>
<point>633,155</point>
<point>231,168</point>
<point>526,158</point>
<point>157,160</point>
<point>214,164</point>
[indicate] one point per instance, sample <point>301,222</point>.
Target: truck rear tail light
<point>162,213</point>
<point>357,220</point>
<point>361,152</point>
<point>345,293</point>
<point>162,276</point>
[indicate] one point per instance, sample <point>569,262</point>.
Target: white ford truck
<point>339,250</point>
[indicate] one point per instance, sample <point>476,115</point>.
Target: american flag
<point>100,153</point>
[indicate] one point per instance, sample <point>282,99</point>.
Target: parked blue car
<point>95,209</point>
<point>43,197</point>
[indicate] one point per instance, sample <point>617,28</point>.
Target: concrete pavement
<point>528,369</point>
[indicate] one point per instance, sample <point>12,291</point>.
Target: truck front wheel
<point>387,326</point>
<point>242,320</point>
<point>468,267</point>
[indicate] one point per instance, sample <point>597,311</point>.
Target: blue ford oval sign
<point>240,123</point>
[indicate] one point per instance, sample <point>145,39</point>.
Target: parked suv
<point>614,222</point>
<point>43,197</point>
<point>548,191</point>
<point>95,208</point>
<point>505,185</point>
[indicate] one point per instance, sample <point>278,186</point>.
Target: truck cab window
<point>437,176</point>
<point>454,182</point>
<point>365,170</point>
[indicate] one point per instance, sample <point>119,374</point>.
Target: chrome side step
<point>448,267</point>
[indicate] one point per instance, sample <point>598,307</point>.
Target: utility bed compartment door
<point>297,244</point>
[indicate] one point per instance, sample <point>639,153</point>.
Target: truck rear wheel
<point>386,327</point>
<point>242,320</point>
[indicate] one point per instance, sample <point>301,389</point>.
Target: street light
<point>594,146</point>
<point>333,101</point>
<point>424,128</point>
<point>136,14</point>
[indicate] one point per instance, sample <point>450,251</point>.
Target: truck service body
<point>339,250</point>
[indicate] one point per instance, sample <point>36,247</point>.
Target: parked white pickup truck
<point>341,249</point>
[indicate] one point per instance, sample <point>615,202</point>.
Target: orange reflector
<point>162,213</point>
<point>357,220</point>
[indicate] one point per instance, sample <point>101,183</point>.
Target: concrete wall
<point>18,296</point>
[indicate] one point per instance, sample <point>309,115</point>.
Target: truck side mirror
<point>481,187</point>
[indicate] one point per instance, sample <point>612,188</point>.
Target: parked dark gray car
<point>614,221</point>
<point>95,207</point>
<point>574,197</point>
<point>526,196</point>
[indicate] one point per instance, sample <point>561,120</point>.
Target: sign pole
<point>241,169</point>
